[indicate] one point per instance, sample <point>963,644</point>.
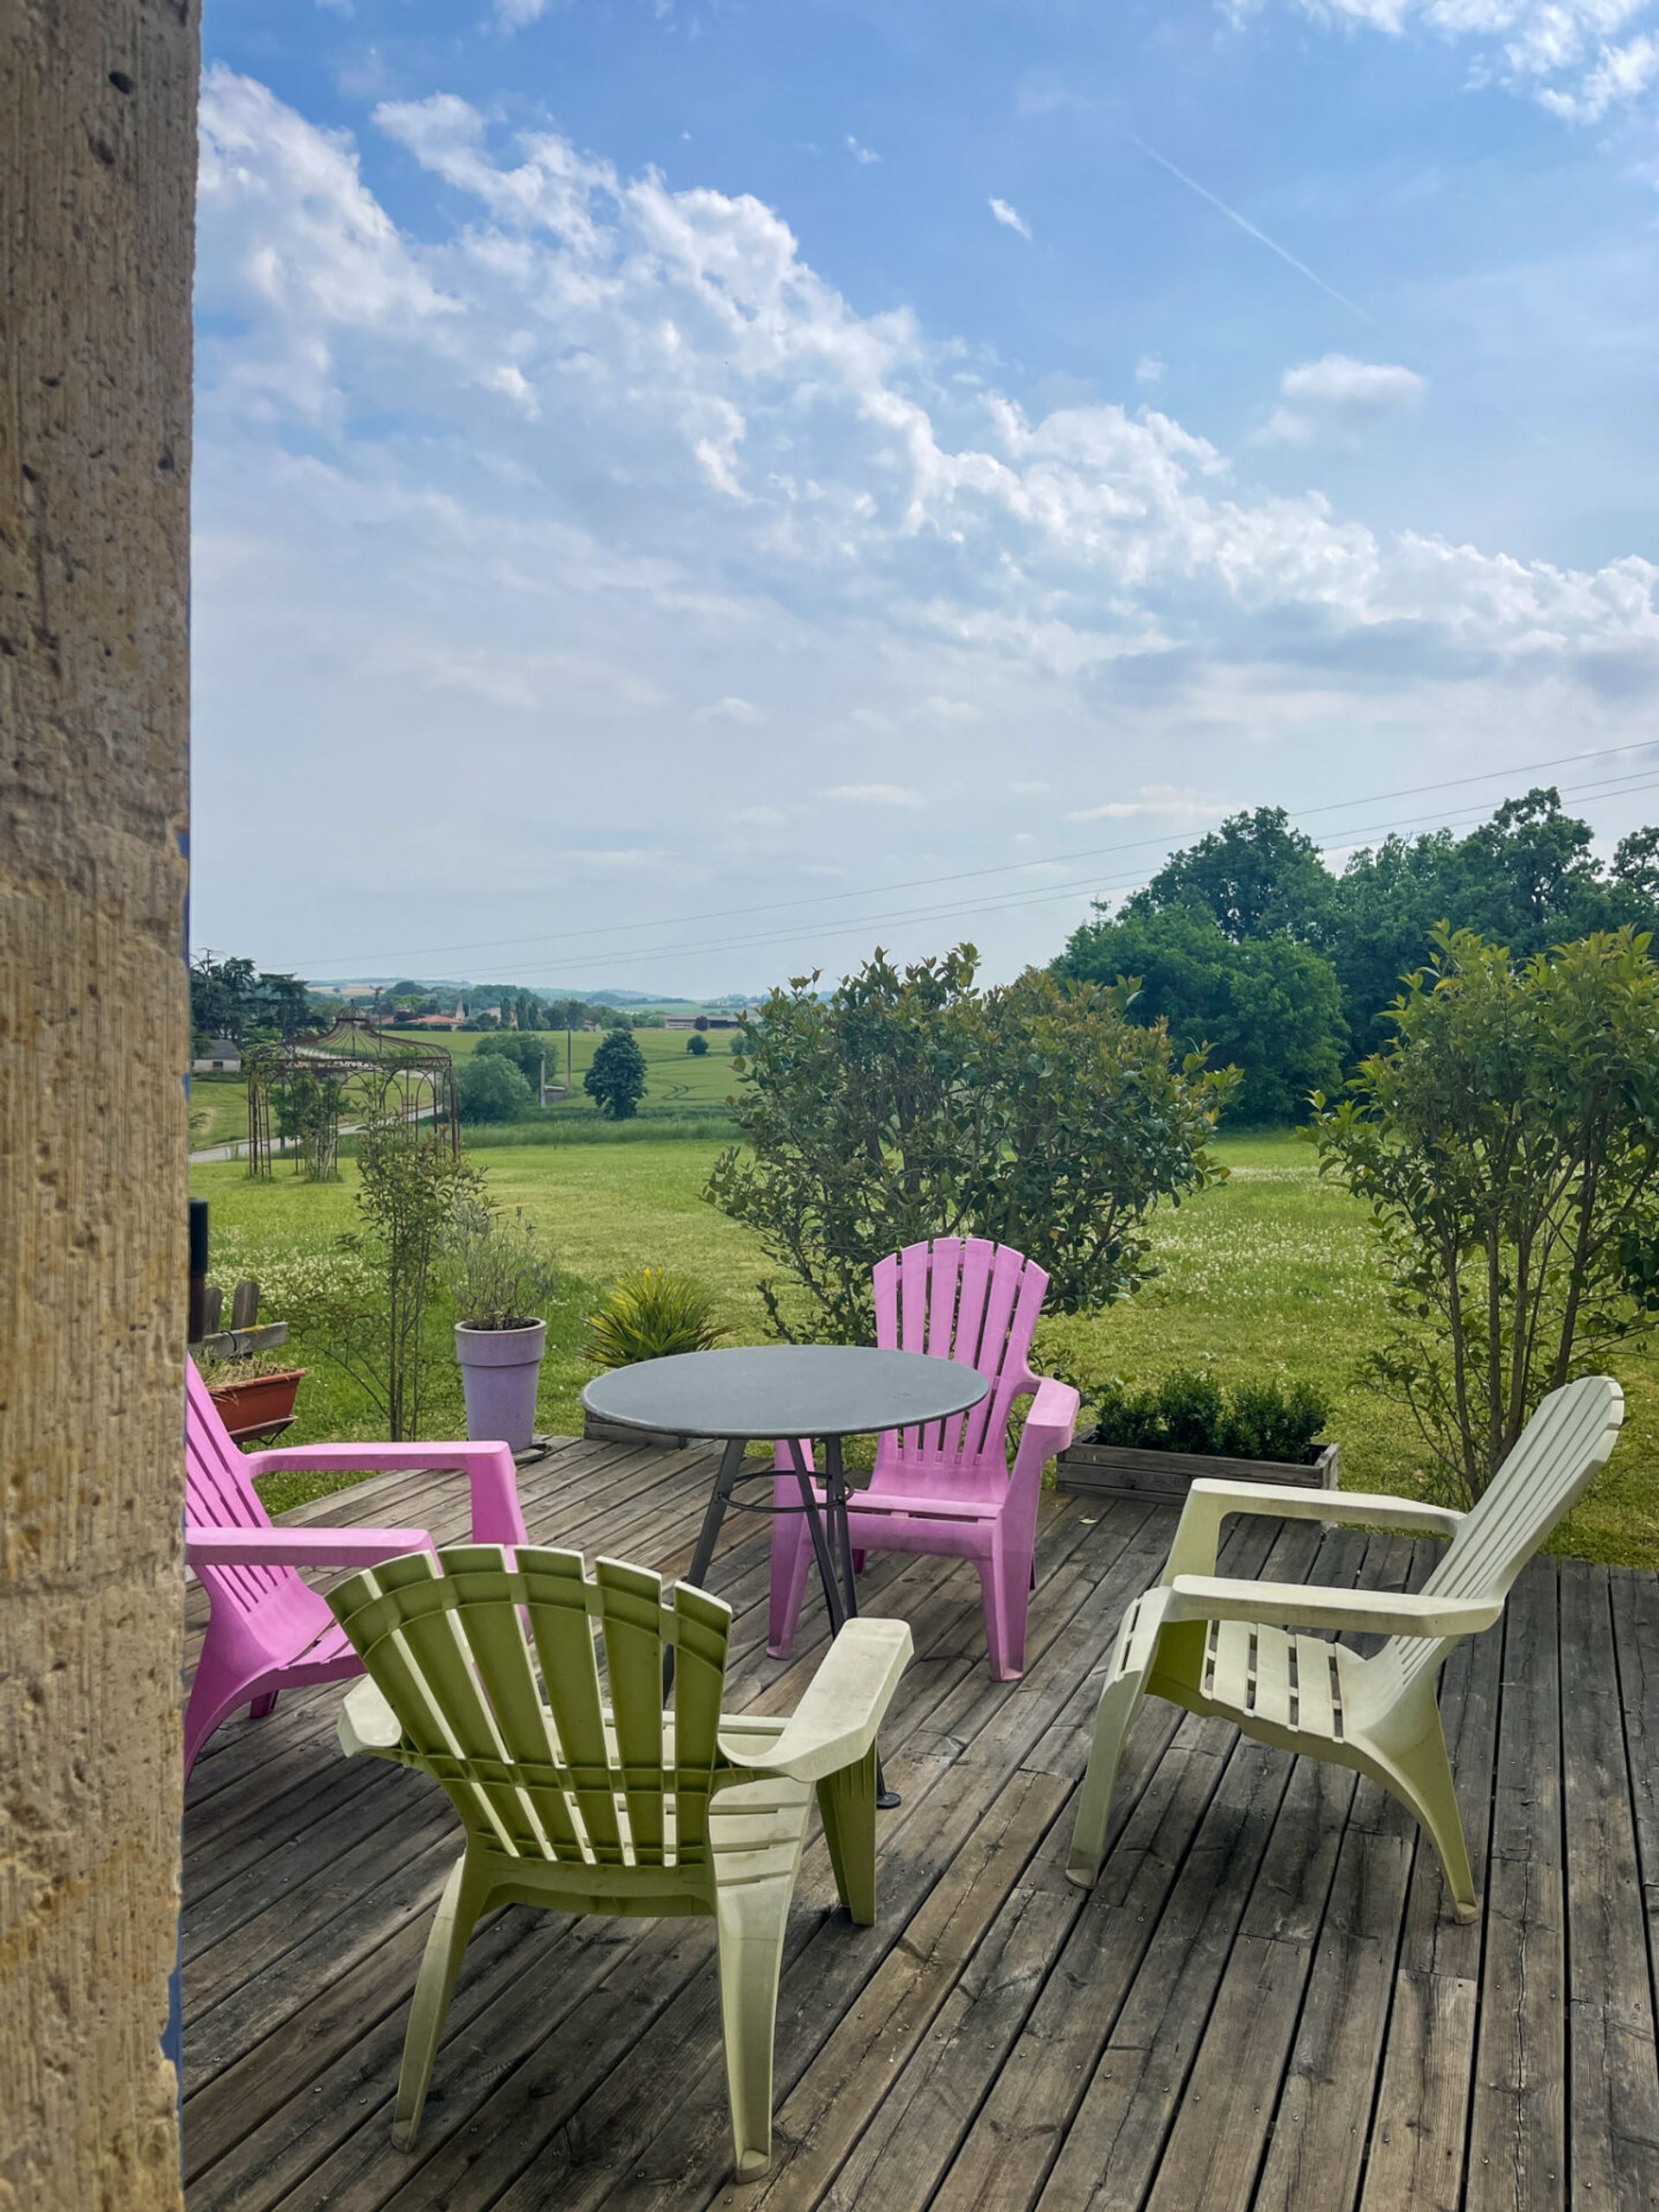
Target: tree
<point>908,1104</point>
<point>1254,876</point>
<point>1507,1142</point>
<point>492,1089</point>
<point>616,1081</point>
<point>525,1049</point>
<point>1268,1005</point>
<point>697,1044</point>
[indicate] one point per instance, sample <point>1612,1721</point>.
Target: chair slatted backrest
<point>1564,1446</point>
<point>513,1723</point>
<point>219,1495</point>
<point>976,1303</point>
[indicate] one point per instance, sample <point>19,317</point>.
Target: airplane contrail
<point>1260,236</point>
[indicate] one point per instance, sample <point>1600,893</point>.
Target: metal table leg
<point>835,1496</point>
<point>731,1461</point>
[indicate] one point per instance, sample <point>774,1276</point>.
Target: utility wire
<point>959,875</point>
<point>1022,898</point>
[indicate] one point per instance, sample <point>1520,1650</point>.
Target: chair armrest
<point>1210,1500</point>
<point>300,1546</point>
<point>1050,1421</point>
<point>377,1459</point>
<point>835,1722</point>
<point>1285,1605</point>
<point>497,1518</point>
<point>368,1723</point>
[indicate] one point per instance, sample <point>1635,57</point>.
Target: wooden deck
<point>1262,2005</point>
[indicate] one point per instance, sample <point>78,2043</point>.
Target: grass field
<point>1273,1273</point>
<point>677,1081</point>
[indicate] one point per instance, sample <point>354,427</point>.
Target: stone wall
<point>97,183</point>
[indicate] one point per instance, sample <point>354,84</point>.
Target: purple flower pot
<point>499,1370</point>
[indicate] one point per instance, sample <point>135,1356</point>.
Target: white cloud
<point>1148,371</point>
<point>1560,52</point>
<point>865,154</point>
<point>526,491</point>
<point>1176,808</point>
<point>1033,788</point>
<point>515,14</point>
<point>1337,393</point>
<point>731,708</point>
<point>1010,217</point>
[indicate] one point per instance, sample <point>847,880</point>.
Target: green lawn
<point>1272,1272</point>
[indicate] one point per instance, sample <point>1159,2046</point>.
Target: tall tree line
<point>1255,949</point>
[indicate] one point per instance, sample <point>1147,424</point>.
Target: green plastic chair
<point>1214,1644</point>
<point>482,1670</point>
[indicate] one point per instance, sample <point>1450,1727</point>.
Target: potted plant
<point>1153,1442</point>
<point>499,1275</point>
<point>650,1315</point>
<point>255,1394</point>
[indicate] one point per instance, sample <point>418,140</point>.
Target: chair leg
<point>1006,1596</point>
<point>458,1909</point>
<point>1426,1788</point>
<point>262,1706</point>
<point>750,1920</point>
<point>791,1558</point>
<point>1116,1711</point>
<point>846,1808</point>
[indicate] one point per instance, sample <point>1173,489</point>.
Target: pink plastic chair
<point>947,1489</point>
<point>267,1631</point>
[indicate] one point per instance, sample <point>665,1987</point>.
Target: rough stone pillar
<point>97,186</point>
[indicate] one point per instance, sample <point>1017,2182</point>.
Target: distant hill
<point>362,987</point>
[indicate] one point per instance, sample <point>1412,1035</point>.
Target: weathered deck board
<point>1262,2005</point>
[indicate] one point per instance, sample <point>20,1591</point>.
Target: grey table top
<point>771,1390</point>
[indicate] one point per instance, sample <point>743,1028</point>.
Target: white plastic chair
<point>1215,1644</point>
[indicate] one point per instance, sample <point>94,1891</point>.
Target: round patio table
<point>785,1393</point>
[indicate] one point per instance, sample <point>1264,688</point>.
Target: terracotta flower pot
<point>500,1369</point>
<point>259,1406</point>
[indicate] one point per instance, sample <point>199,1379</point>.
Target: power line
<point>957,875</point>
<point>1004,900</point>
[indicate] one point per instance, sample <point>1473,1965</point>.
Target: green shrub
<point>1188,1411</point>
<point>1507,1142</point>
<point>697,1044</point>
<point>650,1316</point>
<point>491,1089</point>
<point>908,1103</point>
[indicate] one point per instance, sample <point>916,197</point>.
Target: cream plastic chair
<point>1214,1644</point>
<point>483,1673</point>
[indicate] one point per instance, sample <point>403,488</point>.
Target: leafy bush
<point>492,1089</point>
<point>1189,1412</point>
<point>525,1048</point>
<point>908,1104</point>
<point>500,1274</point>
<point>697,1044</point>
<point>1507,1142</point>
<point>650,1316</point>
<point>616,1081</point>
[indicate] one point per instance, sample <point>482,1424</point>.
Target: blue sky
<point>685,492</point>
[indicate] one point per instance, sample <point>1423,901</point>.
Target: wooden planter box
<point>1118,1471</point>
<point>263,1406</point>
